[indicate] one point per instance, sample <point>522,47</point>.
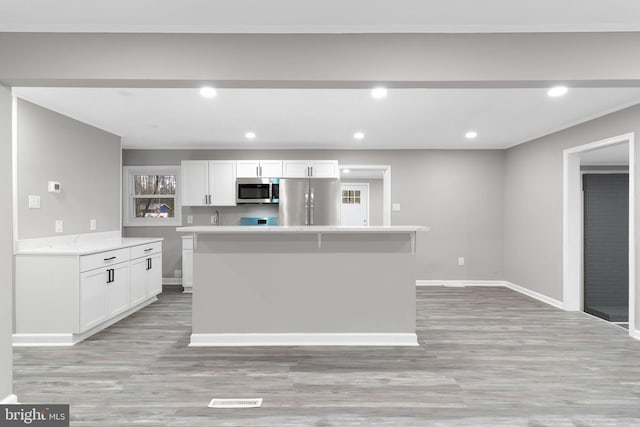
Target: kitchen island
<point>303,285</point>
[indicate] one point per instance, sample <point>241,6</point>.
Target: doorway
<point>354,209</point>
<point>573,223</point>
<point>606,245</point>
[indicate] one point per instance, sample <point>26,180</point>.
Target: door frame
<point>368,197</point>
<point>572,247</point>
<point>386,187</point>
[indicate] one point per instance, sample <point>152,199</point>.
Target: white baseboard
<point>67,339</point>
<point>187,290</point>
<point>634,333</point>
<point>12,399</point>
<point>460,283</point>
<point>535,295</point>
<point>171,281</point>
<point>303,339</point>
<point>502,283</point>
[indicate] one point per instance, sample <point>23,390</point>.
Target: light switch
<point>395,207</point>
<point>92,224</point>
<point>190,219</point>
<point>34,202</point>
<point>59,226</point>
<point>461,261</point>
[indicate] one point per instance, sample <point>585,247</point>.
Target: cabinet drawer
<point>101,259</point>
<point>145,250</point>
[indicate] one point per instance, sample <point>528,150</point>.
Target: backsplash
<point>229,215</point>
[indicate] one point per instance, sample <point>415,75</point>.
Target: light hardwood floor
<point>488,357</point>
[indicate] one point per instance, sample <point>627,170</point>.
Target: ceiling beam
<point>321,61</point>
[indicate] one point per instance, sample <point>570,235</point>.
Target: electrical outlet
<point>59,226</point>
<point>34,202</point>
<point>395,207</point>
<point>461,261</point>
<point>190,219</point>
<point>93,224</point>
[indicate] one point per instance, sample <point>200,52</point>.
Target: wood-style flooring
<point>488,357</point>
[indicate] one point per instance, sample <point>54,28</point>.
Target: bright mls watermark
<point>34,415</point>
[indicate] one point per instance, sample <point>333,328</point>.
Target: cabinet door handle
<point>311,169</point>
<point>147,250</point>
<point>110,258</point>
<point>110,275</point>
<point>257,171</point>
<point>113,275</point>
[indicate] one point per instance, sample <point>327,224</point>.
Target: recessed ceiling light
<point>358,135</point>
<point>345,171</point>
<point>379,92</point>
<point>557,91</point>
<point>250,135</point>
<point>208,92</point>
<point>471,134</point>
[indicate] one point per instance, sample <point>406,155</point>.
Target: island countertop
<point>302,229</point>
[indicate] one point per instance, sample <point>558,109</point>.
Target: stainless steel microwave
<point>258,190</point>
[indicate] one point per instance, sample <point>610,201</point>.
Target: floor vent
<point>235,403</point>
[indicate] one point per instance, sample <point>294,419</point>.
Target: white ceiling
<point>327,118</point>
<point>319,16</point>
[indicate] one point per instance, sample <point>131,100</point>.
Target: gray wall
<point>85,160</point>
<point>6,246</point>
<point>459,193</point>
<point>533,200</point>
<point>375,198</point>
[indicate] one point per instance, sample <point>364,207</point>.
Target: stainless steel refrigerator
<point>306,201</point>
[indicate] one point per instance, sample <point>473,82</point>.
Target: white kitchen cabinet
<point>187,263</point>
<point>259,168</point>
<point>310,169</point>
<point>208,182</point>
<point>63,296</point>
<point>146,272</point>
<point>194,182</point>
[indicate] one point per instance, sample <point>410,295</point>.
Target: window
<point>151,196</point>
<point>351,197</point>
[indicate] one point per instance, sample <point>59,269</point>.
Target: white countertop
<point>301,229</point>
<point>85,247</point>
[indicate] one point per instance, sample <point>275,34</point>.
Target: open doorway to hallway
<point>599,266</point>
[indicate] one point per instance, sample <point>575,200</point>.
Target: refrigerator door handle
<point>306,208</point>
<point>311,207</point>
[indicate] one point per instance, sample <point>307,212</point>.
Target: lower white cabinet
<point>104,293</point>
<point>62,298</point>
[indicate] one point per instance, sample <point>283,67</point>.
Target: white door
<point>295,169</point>
<point>247,168</point>
<point>271,168</point>
<point>154,275</point>
<point>355,204</point>
<point>93,298</point>
<point>194,174</point>
<point>118,289</point>
<point>222,182</point>
<point>138,281</point>
<point>324,169</point>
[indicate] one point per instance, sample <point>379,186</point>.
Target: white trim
<point>572,219</point>
<point>187,289</point>
<point>14,165</point>
<point>535,295</point>
<point>12,399</point>
<point>634,333</point>
<point>49,340</point>
<point>386,187</point>
<point>127,192</point>
<point>459,283</point>
<point>499,283</point>
<point>171,281</point>
<point>304,339</point>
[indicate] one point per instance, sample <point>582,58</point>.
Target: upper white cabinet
<point>259,168</point>
<point>310,169</point>
<point>208,182</point>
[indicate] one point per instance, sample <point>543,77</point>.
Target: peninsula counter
<point>310,285</point>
